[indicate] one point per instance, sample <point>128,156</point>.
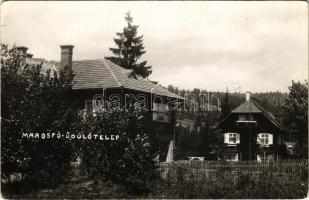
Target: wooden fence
<point>197,170</point>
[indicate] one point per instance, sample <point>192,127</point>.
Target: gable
<point>250,107</point>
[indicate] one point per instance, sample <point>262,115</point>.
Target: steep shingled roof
<point>91,74</point>
<point>101,73</point>
<point>46,65</point>
<point>268,114</point>
<point>105,74</point>
<point>247,107</point>
<point>252,106</point>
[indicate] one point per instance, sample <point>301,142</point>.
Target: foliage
<point>241,180</point>
<point>200,180</point>
<point>79,190</point>
<point>129,49</point>
<point>200,140</point>
<point>271,101</point>
<point>295,115</point>
<point>128,160</point>
<point>33,102</point>
<point>226,107</point>
<point>206,143</point>
<point>189,144</point>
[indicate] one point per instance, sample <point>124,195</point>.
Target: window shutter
<point>226,138</point>
<point>237,138</point>
<point>258,139</point>
<point>270,139</point>
<point>236,155</point>
<point>258,158</point>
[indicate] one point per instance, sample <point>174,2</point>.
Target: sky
<point>242,46</point>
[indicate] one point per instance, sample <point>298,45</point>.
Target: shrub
<point>34,102</point>
<point>128,160</point>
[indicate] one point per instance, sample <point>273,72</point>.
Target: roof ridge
<point>238,106</point>
<point>222,120</point>
<point>111,75</point>
<point>111,71</point>
<point>260,107</point>
<point>268,114</point>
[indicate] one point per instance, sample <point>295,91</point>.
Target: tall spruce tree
<point>226,107</point>
<point>129,49</point>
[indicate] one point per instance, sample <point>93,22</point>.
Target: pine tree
<point>171,88</point>
<point>129,49</point>
<point>226,107</point>
<point>176,90</point>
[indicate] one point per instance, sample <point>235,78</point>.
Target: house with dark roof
<point>100,84</point>
<point>252,133</point>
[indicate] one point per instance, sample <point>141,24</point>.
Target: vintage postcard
<point>154,100</point>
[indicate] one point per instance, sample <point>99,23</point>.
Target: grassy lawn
<point>77,190</point>
<point>224,188</point>
<point>197,180</point>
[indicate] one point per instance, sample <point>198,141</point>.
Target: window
<point>231,138</point>
<point>246,120</point>
<point>160,116</point>
<point>242,117</point>
<point>265,139</point>
<point>245,117</point>
<point>161,112</point>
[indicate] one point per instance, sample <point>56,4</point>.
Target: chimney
<point>247,96</point>
<point>66,56</point>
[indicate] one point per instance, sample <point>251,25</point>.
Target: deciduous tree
<point>295,114</point>
<point>34,102</point>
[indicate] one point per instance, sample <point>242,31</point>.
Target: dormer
<point>131,74</point>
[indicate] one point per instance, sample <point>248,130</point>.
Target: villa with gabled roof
<point>252,133</point>
<point>112,83</point>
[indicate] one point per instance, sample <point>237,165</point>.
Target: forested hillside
<point>271,101</point>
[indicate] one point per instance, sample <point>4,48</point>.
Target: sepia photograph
<point>154,100</point>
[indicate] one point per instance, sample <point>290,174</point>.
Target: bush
<point>129,160</point>
<point>33,102</point>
